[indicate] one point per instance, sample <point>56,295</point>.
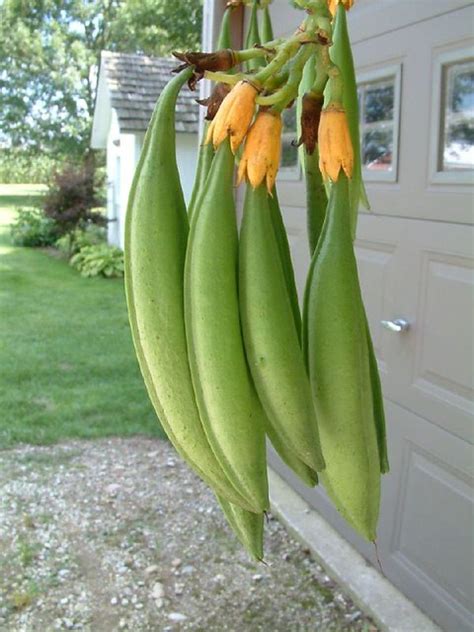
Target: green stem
<point>222,77</point>
<point>286,52</point>
<point>289,92</point>
<point>322,61</point>
<point>251,53</point>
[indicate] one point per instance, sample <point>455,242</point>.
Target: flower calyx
<point>332,4</point>
<point>335,146</point>
<point>261,155</point>
<point>235,114</point>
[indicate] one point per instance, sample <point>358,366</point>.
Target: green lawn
<point>67,366</point>
<point>16,195</point>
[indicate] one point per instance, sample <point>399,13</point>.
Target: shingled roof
<point>135,82</point>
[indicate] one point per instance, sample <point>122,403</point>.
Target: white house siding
<point>186,152</point>
<point>415,261</point>
<point>113,181</point>
<point>123,152</point>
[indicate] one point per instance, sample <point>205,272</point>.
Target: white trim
<point>435,175</point>
<point>394,72</point>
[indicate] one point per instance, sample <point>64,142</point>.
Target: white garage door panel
<point>429,281</point>
<point>417,48</point>
<point>375,266</point>
<point>426,530</point>
<point>437,378</point>
<point>443,368</point>
<point>415,258</point>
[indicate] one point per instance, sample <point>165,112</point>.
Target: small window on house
<point>457,117</point>
<point>379,114</point>
<point>289,166</point>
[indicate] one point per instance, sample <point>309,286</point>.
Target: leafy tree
<point>49,52</point>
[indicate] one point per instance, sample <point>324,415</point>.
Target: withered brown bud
<point>310,115</point>
<point>220,60</point>
<point>213,102</point>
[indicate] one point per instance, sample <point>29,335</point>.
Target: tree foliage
<point>49,52</point>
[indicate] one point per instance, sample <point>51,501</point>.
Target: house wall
<point>113,180</point>
<point>187,146</point>
<point>123,152</point>
<point>415,261</point>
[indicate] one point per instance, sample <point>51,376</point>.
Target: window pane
<point>377,148</point>
<point>289,120</point>
<point>458,124</point>
<point>289,153</point>
<point>378,102</point>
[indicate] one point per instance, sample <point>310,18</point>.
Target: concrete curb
<point>374,594</point>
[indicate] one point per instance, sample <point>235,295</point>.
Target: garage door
<point>415,252</point>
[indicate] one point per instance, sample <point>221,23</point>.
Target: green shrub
<point>32,228</point>
<point>99,260</point>
<point>91,235</point>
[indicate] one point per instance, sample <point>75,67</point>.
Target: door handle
<point>398,325</point>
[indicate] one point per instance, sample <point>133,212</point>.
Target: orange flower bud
<point>262,150</point>
<point>332,4</point>
<point>335,146</point>
<point>235,115</point>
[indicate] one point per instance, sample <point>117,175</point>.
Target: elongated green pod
<point>156,232</point>
<point>253,38</point>
<point>230,411</point>
<point>285,258</point>
<point>341,55</point>
<point>224,39</point>
<point>379,412</point>
<point>205,156</point>
<point>335,337</point>
<point>271,340</point>
<point>305,473</point>
<point>247,526</point>
<point>266,28</point>
<point>316,198</point>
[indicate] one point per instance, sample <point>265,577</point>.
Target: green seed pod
<point>285,258</point>
<point>247,526</point>
<point>271,341</point>
<point>316,198</point>
<point>335,341</point>
<point>266,29</point>
<point>253,39</point>
<point>232,417</point>
<point>205,156</point>
<point>379,413</point>
<point>156,232</point>
<point>341,55</point>
<point>224,39</point>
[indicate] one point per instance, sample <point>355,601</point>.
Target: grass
<point>68,368</point>
<point>15,195</point>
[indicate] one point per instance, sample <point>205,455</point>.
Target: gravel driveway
<point>120,535</point>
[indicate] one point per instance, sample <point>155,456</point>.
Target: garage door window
<point>458,120</point>
<point>379,110</point>
<point>289,166</point>
<point>453,118</point>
